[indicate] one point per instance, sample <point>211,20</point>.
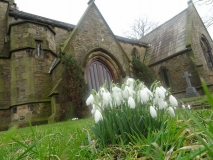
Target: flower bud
<point>153,112</point>
<point>98,116</point>
<point>173,101</point>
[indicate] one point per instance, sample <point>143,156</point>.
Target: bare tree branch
<point>140,28</point>
<point>208,21</point>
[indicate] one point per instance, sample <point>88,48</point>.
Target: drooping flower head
<point>131,102</point>
<point>173,101</point>
<point>130,82</point>
<point>98,116</point>
<point>171,112</point>
<point>153,112</point>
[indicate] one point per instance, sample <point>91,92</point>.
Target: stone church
<point>31,47</point>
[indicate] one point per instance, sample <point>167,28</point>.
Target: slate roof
<point>167,39</point>
<point>27,16</point>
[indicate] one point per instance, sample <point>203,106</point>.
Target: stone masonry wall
<point>61,36</point>
<point>94,33</point>
<point>33,112</point>
<point>5,119</point>
<point>30,78</point>
<point>24,35</point>
<point>3,24</point>
<point>176,71</point>
<point>128,48</point>
<point>4,83</point>
<point>198,29</point>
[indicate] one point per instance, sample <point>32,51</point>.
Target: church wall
<point>35,112</point>
<point>167,39</point>
<point>94,33</point>
<point>198,29</point>
<point>25,35</point>
<point>4,83</point>
<point>3,24</point>
<point>61,36</point>
<point>5,119</point>
<point>30,80</point>
<point>176,71</point>
<point>128,48</point>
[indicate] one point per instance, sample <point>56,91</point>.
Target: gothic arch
<point>100,56</point>
<point>98,72</point>
<point>164,75</point>
<point>207,51</point>
<point>106,56</point>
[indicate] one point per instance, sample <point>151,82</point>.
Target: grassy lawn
<point>71,140</point>
<point>65,140</point>
<point>119,133</point>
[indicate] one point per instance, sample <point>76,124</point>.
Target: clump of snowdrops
<point>130,110</point>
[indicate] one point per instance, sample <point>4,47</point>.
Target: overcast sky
<point>119,14</point>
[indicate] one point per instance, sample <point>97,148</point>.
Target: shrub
<point>142,72</point>
<point>73,89</point>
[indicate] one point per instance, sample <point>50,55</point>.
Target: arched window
<point>164,75</point>
<point>97,72</point>
<point>207,52</point>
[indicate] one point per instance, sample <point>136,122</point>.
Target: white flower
<point>153,112</point>
<point>149,92</point>
<point>116,92</point>
<point>90,100</point>
<point>189,107</point>
<point>118,101</point>
<point>144,96</point>
<point>130,82</point>
<point>171,112</point>
<point>98,116</point>
<point>162,104</point>
<point>164,90</point>
<point>173,101</point>
<point>127,92</point>
<point>159,93</point>
<point>131,102</point>
<point>106,98</point>
<point>183,106</point>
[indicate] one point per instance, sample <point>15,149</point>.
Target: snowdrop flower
<point>153,112</point>
<point>159,93</point>
<point>144,96</point>
<point>173,101</point>
<point>149,92</point>
<point>127,92</point>
<point>131,102</point>
<point>162,104</point>
<point>130,82</point>
<point>116,92</point>
<point>98,116</point>
<point>189,107</point>
<point>90,100</point>
<point>118,101</point>
<point>183,106</point>
<point>171,112</point>
<point>106,98</point>
<point>164,90</point>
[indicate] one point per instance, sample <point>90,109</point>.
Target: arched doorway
<point>97,72</point>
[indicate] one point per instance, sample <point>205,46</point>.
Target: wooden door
<point>97,73</point>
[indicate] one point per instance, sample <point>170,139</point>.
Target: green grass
<point>187,136</point>
<point>180,139</point>
<point>65,140</point>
